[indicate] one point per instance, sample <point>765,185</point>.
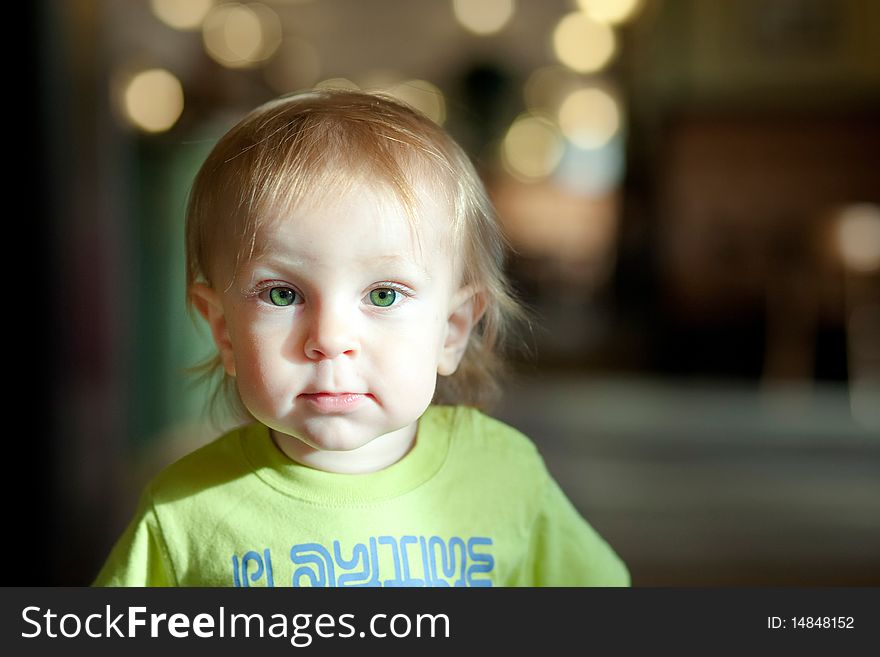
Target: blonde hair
<point>299,146</point>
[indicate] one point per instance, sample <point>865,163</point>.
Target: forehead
<point>361,221</point>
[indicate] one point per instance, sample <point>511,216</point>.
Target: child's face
<point>337,328</point>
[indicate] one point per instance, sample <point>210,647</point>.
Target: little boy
<point>344,254</point>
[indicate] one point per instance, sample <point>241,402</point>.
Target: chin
<point>336,444</point>
<point>334,439</point>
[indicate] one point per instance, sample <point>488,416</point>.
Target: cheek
<point>259,363</point>
<point>406,386</point>
<point>261,339</point>
<point>409,363</point>
<point>417,341</point>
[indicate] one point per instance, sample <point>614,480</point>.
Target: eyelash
<point>387,285</point>
<point>263,288</point>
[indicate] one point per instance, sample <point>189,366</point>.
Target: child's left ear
<point>468,306</point>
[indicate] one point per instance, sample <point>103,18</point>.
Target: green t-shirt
<point>471,504</point>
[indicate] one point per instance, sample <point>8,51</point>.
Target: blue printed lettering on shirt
<point>414,561</point>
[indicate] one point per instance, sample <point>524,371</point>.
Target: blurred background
<point>691,189</point>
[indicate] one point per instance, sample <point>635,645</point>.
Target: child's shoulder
<point>491,461</point>
<point>477,432</point>
<point>220,460</point>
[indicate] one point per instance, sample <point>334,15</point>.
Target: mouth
<point>334,402</point>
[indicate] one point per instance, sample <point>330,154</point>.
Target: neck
<point>378,454</point>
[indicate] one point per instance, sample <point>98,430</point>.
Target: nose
<point>331,334</point>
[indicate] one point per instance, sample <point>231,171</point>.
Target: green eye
<point>282,296</point>
<point>383,297</point>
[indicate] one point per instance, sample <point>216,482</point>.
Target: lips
<point>334,402</point>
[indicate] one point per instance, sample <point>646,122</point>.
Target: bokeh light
<point>612,12</point>
<point>583,44</point>
<point>241,36</point>
<point>532,148</point>
<point>184,15</point>
<point>153,100</point>
<point>380,79</point>
<point>483,16</point>
<point>589,118</point>
<point>595,173</point>
<point>858,237</point>
<point>337,83</point>
<point>424,96</point>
